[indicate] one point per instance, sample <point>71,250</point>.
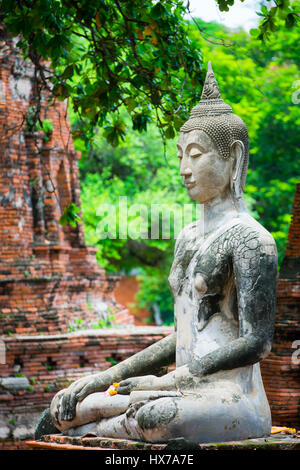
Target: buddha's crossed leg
<point>160,416</point>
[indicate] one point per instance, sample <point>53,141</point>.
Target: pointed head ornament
<point>215,117</point>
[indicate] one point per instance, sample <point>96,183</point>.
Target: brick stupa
<point>48,276</point>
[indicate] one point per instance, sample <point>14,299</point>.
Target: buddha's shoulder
<point>248,233</point>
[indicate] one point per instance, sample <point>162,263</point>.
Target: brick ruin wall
<point>281,369</point>
<point>36,367</point>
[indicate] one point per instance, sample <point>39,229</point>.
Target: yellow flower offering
<point>112,389</point>
<point>286,430</point>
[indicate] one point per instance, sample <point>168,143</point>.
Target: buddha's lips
<point>190,184</point>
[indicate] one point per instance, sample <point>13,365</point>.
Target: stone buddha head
<point>213,147</point>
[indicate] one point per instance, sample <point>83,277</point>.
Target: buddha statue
<point>223,279</point>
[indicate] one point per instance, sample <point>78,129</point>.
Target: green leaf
<point>158,11</point>
<point>290,20</point>
<point>47,126</point>
<point>169,132</point>
<point>68,72</point>
<point>61,91</point>
<point>70,216</point>
<point>140,121</point>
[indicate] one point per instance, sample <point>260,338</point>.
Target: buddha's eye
<point>195,153</point>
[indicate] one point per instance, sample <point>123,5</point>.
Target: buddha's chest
<point>205,306</point>
<point>201,270</point>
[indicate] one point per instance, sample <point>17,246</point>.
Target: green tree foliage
<point>108,54</point>
<point>273,17</point>
<point>137,169</point>
<point>279,11</point>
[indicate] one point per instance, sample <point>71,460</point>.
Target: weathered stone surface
<point>15,383</point>
<point>181,444</point>
<point>23,432</point>
<point>45,425</point>
<point>58,442</point>
<point>4,432</point>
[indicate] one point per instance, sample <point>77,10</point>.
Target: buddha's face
<point>205,173</point>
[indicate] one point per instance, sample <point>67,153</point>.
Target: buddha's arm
<point>151,359</point>
<point>255,272</point>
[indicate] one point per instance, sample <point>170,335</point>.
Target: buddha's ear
<point>237,153</point>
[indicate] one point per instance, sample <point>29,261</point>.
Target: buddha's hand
<point>146,382</point>
<point>63,406</point>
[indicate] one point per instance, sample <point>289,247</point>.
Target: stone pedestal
<point>58,442</point>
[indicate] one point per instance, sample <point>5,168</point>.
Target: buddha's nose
<point>185,171</point>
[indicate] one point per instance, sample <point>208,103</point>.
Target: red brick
<point>281,377</point>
